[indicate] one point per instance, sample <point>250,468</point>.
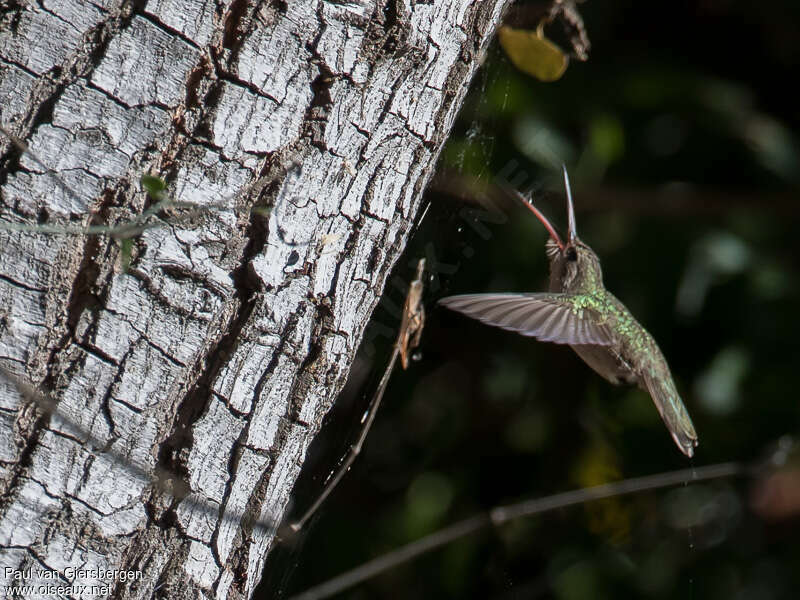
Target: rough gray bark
<point>217,352</point>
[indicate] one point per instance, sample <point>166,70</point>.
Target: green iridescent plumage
<point>579,311</point>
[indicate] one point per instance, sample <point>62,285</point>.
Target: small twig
<point>355,449</point>
<point>503,514</point>
<point>131,228</point>
<point>532,15</point>
<point>408,338</point>
<point>392,559</point>
<point>573,27</point>
<point>138,223</point>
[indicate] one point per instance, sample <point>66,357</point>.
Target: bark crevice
<point>305,133</point>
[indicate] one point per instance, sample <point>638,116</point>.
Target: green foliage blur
<point>681,136</point>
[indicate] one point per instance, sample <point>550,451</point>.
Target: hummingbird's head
<point>574,267</point>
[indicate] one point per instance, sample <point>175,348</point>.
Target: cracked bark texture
<point>216,353</point>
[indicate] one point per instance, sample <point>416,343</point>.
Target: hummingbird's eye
<point>572,254</point>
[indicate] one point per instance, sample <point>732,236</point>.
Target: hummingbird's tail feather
<point>672,411</point>
<point>548,317</point>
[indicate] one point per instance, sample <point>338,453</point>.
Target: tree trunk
<point>210,346</point>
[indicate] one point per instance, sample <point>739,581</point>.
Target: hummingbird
<point>579,311</point>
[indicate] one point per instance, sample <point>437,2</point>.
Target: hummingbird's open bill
<point>579,311</point>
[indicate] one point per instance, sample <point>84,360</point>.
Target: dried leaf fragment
<point>532,53</point>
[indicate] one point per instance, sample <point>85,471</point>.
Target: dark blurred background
<point>681,136</point>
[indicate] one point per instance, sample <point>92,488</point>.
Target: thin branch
<point>503,514</point>
<point>355,450</point>
<point>397,557</point>
<point>128,229</point>
<point>408,338</point>
<point>139,223</point>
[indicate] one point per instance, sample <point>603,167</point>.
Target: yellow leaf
<point>533,53</point>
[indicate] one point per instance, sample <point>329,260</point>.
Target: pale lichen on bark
<point>216,354</point>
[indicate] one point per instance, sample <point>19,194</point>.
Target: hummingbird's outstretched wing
<point>672,411</point>
<point>549,317</point>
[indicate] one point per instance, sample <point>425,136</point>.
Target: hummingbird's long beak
<point>550,229</point>
<point>572,235</point>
